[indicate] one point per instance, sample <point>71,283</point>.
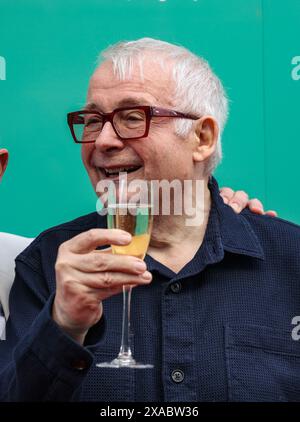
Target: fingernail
<point>125,237</point>
<point>225,200</point>
<point>272,213</point>
<point>140,266</point>
<point>235,206</point>
<point>147,276</point>
<point>257,210</point>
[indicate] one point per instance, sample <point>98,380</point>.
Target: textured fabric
<point>226,326</point>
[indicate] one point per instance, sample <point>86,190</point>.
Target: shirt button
<point>79,364</point>
<point>175,287</point>
<point>177,376</point>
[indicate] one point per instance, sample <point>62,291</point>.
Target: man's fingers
<point>272,213</point>
<point>226,194</point>
<point>256,206</point>
<point>97,261</point>
<point>236,200</point>
<point>107,279</point>
<point>89,240</point>
<point>239,201</point>
<point>103,294</point>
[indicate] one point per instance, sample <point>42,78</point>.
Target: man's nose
<point>108,140</point>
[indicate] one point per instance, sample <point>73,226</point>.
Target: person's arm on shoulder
<point>238,200</point>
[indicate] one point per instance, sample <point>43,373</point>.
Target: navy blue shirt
<point>219,330</point>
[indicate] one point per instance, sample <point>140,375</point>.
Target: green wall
<point>48,50</point>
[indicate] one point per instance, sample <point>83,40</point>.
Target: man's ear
<point>206,132</point>
<point>3,161</point>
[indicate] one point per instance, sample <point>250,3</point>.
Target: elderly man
<point>213,305</point>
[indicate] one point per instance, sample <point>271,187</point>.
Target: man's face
<point>3,161</point>
<point>162,154</point>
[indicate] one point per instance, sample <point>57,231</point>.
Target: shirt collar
<point>236,233</point>
<point>226,231</point>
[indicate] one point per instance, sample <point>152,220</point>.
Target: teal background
<point>50,49</point>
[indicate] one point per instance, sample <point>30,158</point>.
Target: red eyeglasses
<point>127,122</point>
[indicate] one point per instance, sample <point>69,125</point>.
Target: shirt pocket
<point>263,364</point>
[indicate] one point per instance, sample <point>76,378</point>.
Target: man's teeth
<point>112,172</point>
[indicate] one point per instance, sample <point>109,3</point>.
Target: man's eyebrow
<point>90,106</point>
<point>125,102</point>
<point>132,101</point>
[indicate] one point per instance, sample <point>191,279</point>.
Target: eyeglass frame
<point>149,111</point>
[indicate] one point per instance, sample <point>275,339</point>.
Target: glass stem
<point>125,351</point>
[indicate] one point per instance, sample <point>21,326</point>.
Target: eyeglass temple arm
<point>162,112</point>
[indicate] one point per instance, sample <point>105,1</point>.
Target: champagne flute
<point>130,210</point>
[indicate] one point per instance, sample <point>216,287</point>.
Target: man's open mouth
<point>115,171</point>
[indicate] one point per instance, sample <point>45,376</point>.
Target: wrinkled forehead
<point>146,74</point>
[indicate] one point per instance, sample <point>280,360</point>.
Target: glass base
<point>124,362</point>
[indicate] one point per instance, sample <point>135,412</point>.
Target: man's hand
<point>239,200</point>
<point>85,277</point>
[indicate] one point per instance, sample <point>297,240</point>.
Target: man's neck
<point>173,242</point>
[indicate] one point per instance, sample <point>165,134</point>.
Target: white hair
<point>198,90</point>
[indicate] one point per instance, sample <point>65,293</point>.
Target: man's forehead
<point>153,80</point>
<point>147,68</point>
